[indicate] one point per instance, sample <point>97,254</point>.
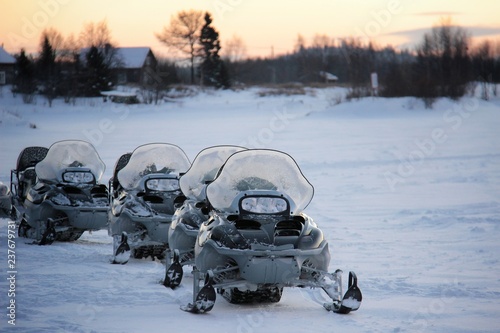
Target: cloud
<point>483,31</point>
<point>415,35</point>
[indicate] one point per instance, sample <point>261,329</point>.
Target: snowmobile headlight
<point>78,177</point>
<point>264,205</point>
<point>162,184</point>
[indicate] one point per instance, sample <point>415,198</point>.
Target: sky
<point>267,27</point>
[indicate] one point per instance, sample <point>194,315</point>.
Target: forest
<point>444,63</point>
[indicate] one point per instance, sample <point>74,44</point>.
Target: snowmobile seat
<point>25,170</point>
<point>30,156</point>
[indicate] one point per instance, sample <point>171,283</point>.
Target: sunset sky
<point>265,26</point>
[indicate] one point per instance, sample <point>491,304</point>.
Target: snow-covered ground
<point>408,198</point>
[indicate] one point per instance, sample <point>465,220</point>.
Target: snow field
<point>408,198</point>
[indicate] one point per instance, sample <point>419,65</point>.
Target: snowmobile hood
<point>69,154</point>
<point>259,170</point>
<point>152,158</point>
<point>204,169</point>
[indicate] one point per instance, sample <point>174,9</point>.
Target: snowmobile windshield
<point>69,154</point>
<point>204,169</point>
<point>161,158</point>
<point>259,170</point>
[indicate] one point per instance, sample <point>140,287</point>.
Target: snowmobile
<point>23,177</point>
<point>194,210</point>
<point>67,198</point>
<point>258,240</point>
<point>145,196</point>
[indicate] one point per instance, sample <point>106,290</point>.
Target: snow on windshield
<point>259,169</point>
<point>68,154</point>
<point>204,168</point>
<point>153,158</point>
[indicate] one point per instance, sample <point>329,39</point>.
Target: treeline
<point>84,66</point>
<point>444,64</point>
<point>61,69</point>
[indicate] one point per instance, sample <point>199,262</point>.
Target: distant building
<point>7,67</point>
<point>135,65</point>
<point>328,77</point>
<point>132,65</point>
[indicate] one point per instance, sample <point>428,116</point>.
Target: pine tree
<point>213,71</point>
<point>24,82</point>
<point>98,76</point>
<point>47,60</point>
<point>46,68</point>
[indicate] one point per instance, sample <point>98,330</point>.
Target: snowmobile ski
<point>205,299</point>
<point>173,274</point>
<point>204,302</point>
<point>122,253</point>
<point>351,300</point>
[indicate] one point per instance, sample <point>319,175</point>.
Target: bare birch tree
<point>183,34</point>
<point>95,34</point>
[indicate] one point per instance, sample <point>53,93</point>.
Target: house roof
<point>6,58</point>
<point>127,57</point>
<point>132,57</point>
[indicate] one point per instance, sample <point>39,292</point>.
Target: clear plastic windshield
<point>259,170</point>
<point>69,154</point>
<point>204,169</point>
<point>153,158</point>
